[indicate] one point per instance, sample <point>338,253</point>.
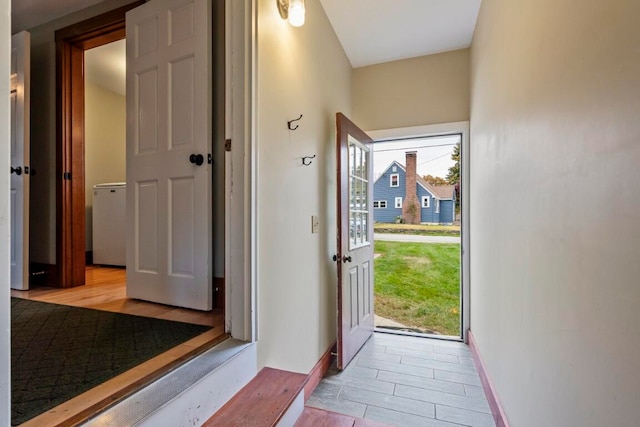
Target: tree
<point>435,180</point>
<point>453,177</point>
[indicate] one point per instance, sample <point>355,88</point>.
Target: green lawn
<point>418,285</point>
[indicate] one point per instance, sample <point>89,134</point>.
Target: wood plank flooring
<point>105,289</point>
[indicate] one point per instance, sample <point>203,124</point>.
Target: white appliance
<point>109,223</point>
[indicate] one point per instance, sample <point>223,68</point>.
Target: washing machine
<point>109,224</point>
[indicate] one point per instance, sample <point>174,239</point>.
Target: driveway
<point>415,238</point>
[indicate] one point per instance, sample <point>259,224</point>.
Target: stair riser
<point>202,400</point>
<point>293,413</point>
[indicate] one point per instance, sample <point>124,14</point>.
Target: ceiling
<point>27,14</point>
<point>371,31</point>
<point>106,66</point>
<point>376,31</point>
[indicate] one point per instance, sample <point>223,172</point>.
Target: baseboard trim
<point>499,416</point>
<point>318,371</point>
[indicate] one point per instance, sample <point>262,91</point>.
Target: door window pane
<point>359,158</point>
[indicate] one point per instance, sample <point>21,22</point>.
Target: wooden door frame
<point>71,42</point>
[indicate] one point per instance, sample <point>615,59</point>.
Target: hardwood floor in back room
<point>105,289</point>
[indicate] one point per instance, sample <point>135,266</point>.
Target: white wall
<point>299,71</point>
<point>105,144</point>
<point>419,91</point>
<point>555,277</point>
<point>5,308</point>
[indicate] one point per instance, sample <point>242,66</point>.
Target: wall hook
<point>294,120</point>
<point>307,160</point>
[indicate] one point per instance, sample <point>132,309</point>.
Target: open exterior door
<point>20,82</point>
<point>168,145</point>
<point>355,239</point>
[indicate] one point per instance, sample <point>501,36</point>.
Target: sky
<point>434,154</point>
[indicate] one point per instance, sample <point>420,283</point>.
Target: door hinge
<point>209,158</point>
<point>66,176</point>
<point>227,145</point>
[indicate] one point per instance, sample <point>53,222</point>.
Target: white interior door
<point>20,80</point>
<point>168,146</point>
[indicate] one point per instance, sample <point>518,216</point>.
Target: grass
<point>418,285</point>
<point>429,230</point>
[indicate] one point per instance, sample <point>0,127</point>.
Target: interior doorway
<point>85,285</point>
<point>105,154</point>
<point>74,243</point>
<point>71,44</point>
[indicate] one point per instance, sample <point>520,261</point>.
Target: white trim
<point>461,128</point>
<point>420,131</point>
<point>382,204</point>
<point>5,268</point>
<point>193,391</point>
<point>426,199</point>
<point>437,207</point>
<point>397,175</point>
<point>240,204</point>
<point>398,203</point>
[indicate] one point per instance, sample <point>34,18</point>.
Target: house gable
<point>385,194</point>
<point>386,209</point>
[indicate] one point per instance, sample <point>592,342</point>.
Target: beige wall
<point>412,92</point>
<point>554,261</point>
<point>299,71</point>
<point>105,143</point>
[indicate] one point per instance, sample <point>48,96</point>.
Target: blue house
<point>437,202</point>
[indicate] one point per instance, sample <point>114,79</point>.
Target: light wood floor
<point>105,289</point>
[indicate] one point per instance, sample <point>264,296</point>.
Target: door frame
<point>20,120</point>
<point>71,42</point>
<point>454,128</point>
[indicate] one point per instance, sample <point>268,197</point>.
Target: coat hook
<point>294,120</point>
<point>306,161</point>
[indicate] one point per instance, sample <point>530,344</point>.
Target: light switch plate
<point>315,224</point>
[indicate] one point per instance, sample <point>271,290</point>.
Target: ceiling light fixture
<point>292,10</point>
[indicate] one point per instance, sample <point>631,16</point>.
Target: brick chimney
<point>410,204</point>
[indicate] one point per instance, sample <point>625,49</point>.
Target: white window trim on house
<point>379,204</point>
<point>444,129</point>
<point>397,176</point>
<point>398,202</point>
<point>426,202</point>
